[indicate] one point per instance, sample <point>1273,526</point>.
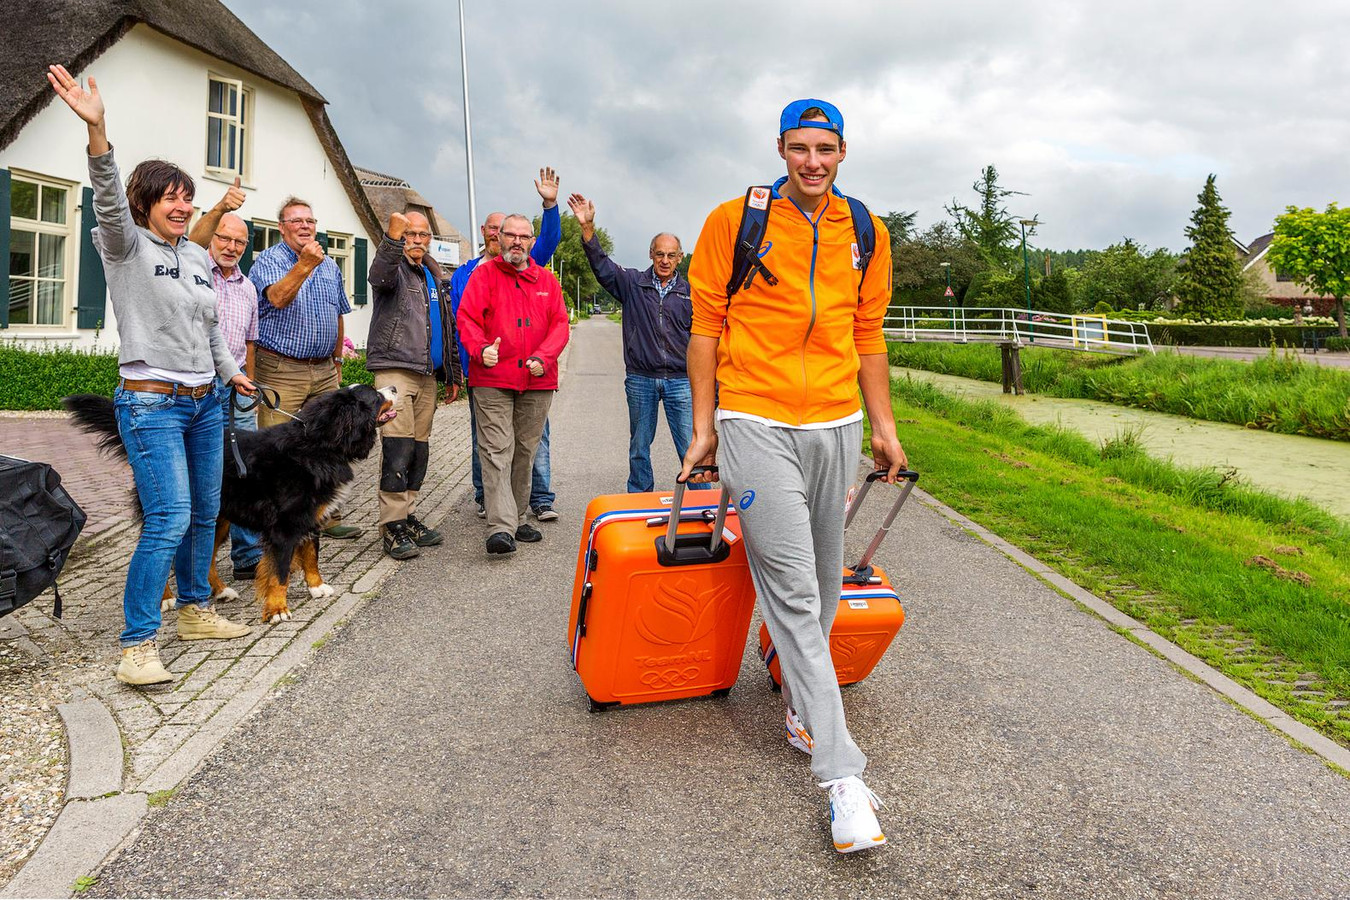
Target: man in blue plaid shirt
<point>301,302</point>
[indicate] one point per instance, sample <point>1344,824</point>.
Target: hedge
<point>39,378</point>
<point>1230,335</point>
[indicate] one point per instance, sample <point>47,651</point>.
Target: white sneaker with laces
<point>853,820</point>
<point>797,735</point>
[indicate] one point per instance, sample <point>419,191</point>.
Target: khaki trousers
<point>415,409</point>
<point>510,424</point>
<point>296,382</point>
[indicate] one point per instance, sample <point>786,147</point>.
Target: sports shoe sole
<point>548,515</point>
<point>861,845</point>
<point>798,737</point>
<point>168,677</point>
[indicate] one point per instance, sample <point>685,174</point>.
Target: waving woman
<point>167,411</point>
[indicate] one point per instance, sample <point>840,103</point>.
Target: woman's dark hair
<point>151,180</point>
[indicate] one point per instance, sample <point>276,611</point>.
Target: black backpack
<point>745,259</point>
<point>39,523</point>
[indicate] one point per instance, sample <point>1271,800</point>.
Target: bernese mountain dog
<point>294,472</point>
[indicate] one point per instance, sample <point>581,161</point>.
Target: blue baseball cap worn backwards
<point>792,117</point>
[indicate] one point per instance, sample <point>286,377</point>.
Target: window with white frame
<point>41,218</point>
<point>340,251</point>
<point>265,234</point>
<point>228,126</point>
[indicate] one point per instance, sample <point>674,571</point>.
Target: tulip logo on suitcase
<point>673,632</point>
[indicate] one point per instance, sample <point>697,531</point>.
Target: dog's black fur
<point>294,470</point>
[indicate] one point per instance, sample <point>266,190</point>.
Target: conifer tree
<point>1209,285</point>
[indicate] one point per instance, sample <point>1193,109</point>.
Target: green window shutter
<point>322,238</point>
<point>4,248</point>
<point>246,261</point>
<point>359,292</point>
<point>93,289</point>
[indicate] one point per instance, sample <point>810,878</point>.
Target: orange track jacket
<point>789,352</point>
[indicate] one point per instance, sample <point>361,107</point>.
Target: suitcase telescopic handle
<point>677,504</point>
<point>910,478</point>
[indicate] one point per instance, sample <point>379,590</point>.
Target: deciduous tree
<point>1314,248</point>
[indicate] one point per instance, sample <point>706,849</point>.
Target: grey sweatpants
<point>789,486</point>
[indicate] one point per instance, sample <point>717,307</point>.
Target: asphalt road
<point>441,746</point>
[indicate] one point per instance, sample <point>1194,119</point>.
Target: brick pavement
<point>100,485</point>
<point>156,722</point>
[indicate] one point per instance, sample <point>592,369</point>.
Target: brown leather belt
<point>312,360</point>
<point>168,387</point>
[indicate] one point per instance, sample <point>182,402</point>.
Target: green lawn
<point>1171,546</point>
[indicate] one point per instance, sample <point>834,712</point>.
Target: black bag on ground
<point>39,523</point>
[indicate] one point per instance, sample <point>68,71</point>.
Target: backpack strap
<point>745,261</point>
<point>865,233</point>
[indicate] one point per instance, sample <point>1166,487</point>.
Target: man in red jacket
<point>513,322</point>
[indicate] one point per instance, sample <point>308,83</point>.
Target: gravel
<point>33,757</point>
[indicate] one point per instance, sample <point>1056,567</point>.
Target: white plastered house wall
<point>155,89</point>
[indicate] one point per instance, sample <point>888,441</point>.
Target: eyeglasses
<point>229,241</point>
<point>658,255</point>
<point>310,222</point>
<point>517,238</point>
<point>417,235</point>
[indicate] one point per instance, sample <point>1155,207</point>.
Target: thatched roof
<point>74,33</point>
<point>390,194</point>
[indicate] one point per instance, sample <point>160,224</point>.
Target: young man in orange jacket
<point>513,322</point>
<point>789,354</point>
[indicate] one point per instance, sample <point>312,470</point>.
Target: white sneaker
<point>853,820</point>
<point>797,734</point>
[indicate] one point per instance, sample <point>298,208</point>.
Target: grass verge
<point>1256,585</point>
<point>1279,392</point>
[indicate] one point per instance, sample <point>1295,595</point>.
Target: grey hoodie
<point>162,293</point>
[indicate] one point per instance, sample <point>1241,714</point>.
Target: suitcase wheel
<point>722,692</point>
<point>774,686</point>
<point>597,706</point>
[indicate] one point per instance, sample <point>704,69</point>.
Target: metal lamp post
<point>1026,271</point>
<point>468,137</point>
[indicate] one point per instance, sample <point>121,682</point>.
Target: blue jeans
<point>644,396</point>
<point>541,493</point>
<point>175,449</point>
<point>245,545</point>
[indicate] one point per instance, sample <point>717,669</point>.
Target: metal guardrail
<point>1088,331</point>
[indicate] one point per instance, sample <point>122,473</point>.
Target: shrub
<point>1337,343</point>
<point>39,378</point>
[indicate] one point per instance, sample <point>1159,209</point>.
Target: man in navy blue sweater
<point>656,320</point>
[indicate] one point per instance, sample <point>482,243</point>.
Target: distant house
<point>183,80</point>
<point>388,194</point>
<point>1280,289</point>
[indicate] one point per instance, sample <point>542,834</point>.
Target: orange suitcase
<point>869,613</point>
<point>661,605</point>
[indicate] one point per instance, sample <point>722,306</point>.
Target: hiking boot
<point>529,534</point>
<point>398,540</point>
<point>481,511</point>
<point>246,573</point>
<point>140,665</point>
<point>501,542</point>
<point>853,820</point>
<point>422,535</point>
<point>797,734</point>
<point>545,513</point>
<point>341,532</point>
<point>201,623</point>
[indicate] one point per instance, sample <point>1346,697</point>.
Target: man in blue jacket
<point>550,235</point>
<point>656,320</point>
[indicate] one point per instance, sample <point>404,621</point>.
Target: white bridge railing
<point>1081,331</point>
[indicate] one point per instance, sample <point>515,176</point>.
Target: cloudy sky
<point>1108,116</point>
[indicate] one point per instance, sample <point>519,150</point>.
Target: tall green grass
<point>1278,392</point>
<point>1110,514</point>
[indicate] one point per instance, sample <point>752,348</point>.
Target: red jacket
<point>524,309</point>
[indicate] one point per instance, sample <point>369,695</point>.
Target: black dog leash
<point>237,402</point>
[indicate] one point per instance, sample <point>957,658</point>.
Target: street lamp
<point>1026,270</point>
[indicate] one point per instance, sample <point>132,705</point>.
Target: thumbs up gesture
<point>491,353</point>
<point>234,197</point>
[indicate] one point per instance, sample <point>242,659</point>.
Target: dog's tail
<point>93,414</point>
